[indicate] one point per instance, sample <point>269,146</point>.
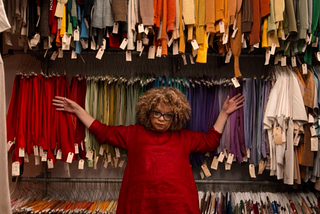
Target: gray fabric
<point>102,14</point>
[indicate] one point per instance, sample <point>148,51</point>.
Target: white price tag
<point>169,43</point>
<point>9,144</point>
<point>191,59</point>
<point>100,53</point>
<point>313,131</point>
<point>36,160</point>
<point>318,56</point>
<point>277,59</point>
<point>81,164</point>
<point>159,51</point>
<point>234,24</point>
<point>89,154</point>
<point>141,51</point>
<point>175,48</point>
<point>221,27</point>
<point>21,152</point>
<point>60,51</point>
<point>244,44</point>
<point>314,144</point>
<point>105,163</point>
<point>128,56</point>
<point>124,43</point>
<point>146,30</point>
<point>101,150</point>
<point>50,164</point>
<point>151,52</point>
<point>54,55</point>
<point>44,157</point>
<point>262,166</point>
<point>184,59</point>
<point>76,148</point>
<point>248,152</point>
<point>252,171</point>
<point>139,45</point>
<point>283,61</point>
<point>121,163</point>
<point>41,151</point>
<point>140,28</point>
<point>117,152</point>
<point>84,43</point>
<point>115,28</point>
<point>76,35</point>
<point>35,150</point>
<point>15,168</point>
<point>225,39</point>
<point>26,158</point>
<point>267,57</point>
<point>304,69</point>
<point>59,154</point>
<point>234,33</point>
<point>109,158</point>
<point>104,43</point>
<point>235,82</point>
<point>73,54</point>
<point>194,44</point>
<point>256,45</point>
<point>115,161</point>
<point>205,169</point>
<point>95,163</point>
<point>70,157</point>
<point>215,162</point>
<point>228,56</point>
<point>227,166</point>
<point>293,61</point>
<point>221,157</point>
<point>230,158</point>
<point>273,49</point>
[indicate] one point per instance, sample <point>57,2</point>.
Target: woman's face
<point>161,117</point>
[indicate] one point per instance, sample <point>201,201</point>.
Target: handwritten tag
<point>76,35</point>
<point>235,82</point>
<point>139,45</point>
<point>221,27</point>
<point>121,163</point>
<point>267,57</point>
<point>117,152</point>
<point>21,152</point>
<point>115,28</point>
<point>277,136</point>
<point>151,52</point>
<point>230,158</point>
<point>59,154</point>
<point>304,69</point>
<point>228,56</point>
<point>81,164</point>
<point>70,157</point>
<point>234,33</point>
<point>128,56</point>
<point>54,55</point>
<point>293,61</point>
<point>313,131</point>
<point>36,160</point>
<point>44,157</point>
<point>205,169</point>
<point>140,28</point>
<point>314,144</point>
<point>175,48</point>
<point>100,53</point>
<point>9,145</point>
<point>89,154</point>
<point>124,43</point>
<point>221,157</point>
<point>273,49</point>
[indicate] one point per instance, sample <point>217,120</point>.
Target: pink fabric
<point>158,178</point>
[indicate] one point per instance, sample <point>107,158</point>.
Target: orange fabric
<point>171,15</point>
<point>256,25</point>
<point>235,44</point>
<point>157,4</point>
<point>264,8</point>
<point>163,36</point>
<point>182,40</point>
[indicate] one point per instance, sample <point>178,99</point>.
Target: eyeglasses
<point>158,114</point>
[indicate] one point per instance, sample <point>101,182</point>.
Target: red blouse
<point>158,178</point>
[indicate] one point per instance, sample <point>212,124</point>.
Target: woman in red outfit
<point>158,178</point>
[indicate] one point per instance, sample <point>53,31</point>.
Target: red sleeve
<point>201,142</point>
<point>114,135</point>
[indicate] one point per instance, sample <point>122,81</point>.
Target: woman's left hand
<point>233,104</point>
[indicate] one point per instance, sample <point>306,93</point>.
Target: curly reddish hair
<point>169,96</point>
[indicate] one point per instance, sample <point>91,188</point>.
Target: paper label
<point>105,163</point>
<point>76,148</point>
<point>225,39</point>
<point>141,51</point>
<point>151,52</point>
<point>117,152</point>
<point>89,154</point>
<point>304,69</point>
<point>146,30</point>
<point>313,131</point>
<point>121,163</point>
<point>115,162</point>
<point>262,166</point>
<point>175,48</point>
<point>244,44</point>
<point>109,158</point>
<point>81,164</point>
<point>21,152</point>
<point>95,163</point>
<point>230,158</point>
<point>184,59</point>
<point>84,43</point>
<point>50,164</point>
<point>26,158</point>
<point>256,45</point>
<point>248,152</point>
<point>283,61</point>
<point>267,57</point>
<point>228,56</point>
<point>100,53</point>
<point>124,43</point>
<point>54,55</point>
<point>73,54</point>
<point>194,44</point>
<point>252,171</point>
<point>140,28</point>
<point>227,166</point>
<point>101,150</point>
<point>314,144</point>
<point>277,136</point>
<point>273,49</point>
<point>169,43</point>
<point>36,160</point>
<point>191,59</point>
<point>296,141</point>
<point>159,51</point>
<point>115,28</point>
<point>70,157</point>
<point>139,45</point>
<point>215,163</point>
<point>76,35</point>
<point>234,33</point>
<point>293,61</point>
<point>36,150</point>
<point>221,157</point>
<point>9,145</point>
<point>15,168</point>
<point>205,169</point>
<point>44,157</point>
<point>59,154</point>
<point>235,82</point>
<point>221,27</point>
<point>128,56</point>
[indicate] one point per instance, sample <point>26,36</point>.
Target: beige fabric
<point>59,8</point>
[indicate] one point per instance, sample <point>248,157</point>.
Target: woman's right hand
<point>65,104</point>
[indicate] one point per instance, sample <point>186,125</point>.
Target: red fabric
<point>52,19</point>
<point>158,178</point>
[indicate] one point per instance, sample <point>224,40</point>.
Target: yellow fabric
<point>202,51</point>
<point>182,43</point>
<point>63,22</point>
<point>210,16</point>
<point>190,33</point>
<point>264,42</point>
<point>200,20</point>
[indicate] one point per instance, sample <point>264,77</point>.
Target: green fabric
<point>308,55</point>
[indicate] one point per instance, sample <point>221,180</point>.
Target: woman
<point>158,178</point>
